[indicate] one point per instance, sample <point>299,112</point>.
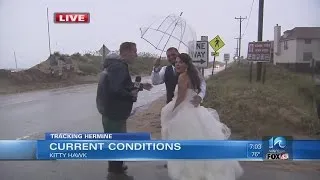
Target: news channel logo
<point>277,149</point>
<point>277,143</point>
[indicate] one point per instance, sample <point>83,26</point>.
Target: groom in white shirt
<point>167,75</point>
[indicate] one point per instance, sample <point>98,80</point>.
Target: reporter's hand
<point>147,86</point>
<point>134,94</point>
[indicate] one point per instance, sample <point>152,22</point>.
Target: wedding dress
<point>189,123</point>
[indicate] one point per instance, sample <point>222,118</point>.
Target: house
<point>297,47</point>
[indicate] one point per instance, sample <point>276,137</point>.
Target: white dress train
<point>189,123</point>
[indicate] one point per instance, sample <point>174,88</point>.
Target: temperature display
<point>254,151</point>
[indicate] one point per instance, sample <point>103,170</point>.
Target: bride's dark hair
<point>192,72</point>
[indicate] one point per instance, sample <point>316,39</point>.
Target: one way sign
<point>201,55</point>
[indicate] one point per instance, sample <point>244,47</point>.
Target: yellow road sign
<point>216,43</point>
<point>215,53</point>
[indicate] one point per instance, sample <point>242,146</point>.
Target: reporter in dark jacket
<point>115,97</point>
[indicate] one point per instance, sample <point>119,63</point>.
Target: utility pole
<point>48,31</point>
<point>260,31</point>
<point>240,22</point>
<point>237,49</point>
<point>15,59</point>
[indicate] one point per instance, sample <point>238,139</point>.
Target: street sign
<point>216,43</point>
<point>226,57</point>
<point>259,51</point>
<point>107,51</point>
<point>215,53</point>
<point>201,55</point>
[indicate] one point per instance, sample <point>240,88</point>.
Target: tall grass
<point>281,106</point>
<point>90,64</point>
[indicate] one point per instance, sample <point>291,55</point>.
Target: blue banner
<point>306,150</point>
<point>146,150</point>
<point>98,136</point>
<point>18,149</point>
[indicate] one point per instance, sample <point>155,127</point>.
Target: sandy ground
<point>149,121</point>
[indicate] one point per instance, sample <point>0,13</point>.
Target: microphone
<point>137,83</point>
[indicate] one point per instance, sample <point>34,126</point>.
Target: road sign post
<point>213,64</point>
<point>250,73</point>
<point>225,66</point>
<point>226,58</point>
<point>216,44</point>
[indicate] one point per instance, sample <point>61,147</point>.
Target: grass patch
<point>144,65</point>
<point>90,64</point>
<point>282,106</point>
<point>89,68</point>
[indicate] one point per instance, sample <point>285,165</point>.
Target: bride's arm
<point>182,89</point>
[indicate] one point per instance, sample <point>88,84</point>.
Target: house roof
<point>301,33</point>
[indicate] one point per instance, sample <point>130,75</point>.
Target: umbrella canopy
<point>170,31</point>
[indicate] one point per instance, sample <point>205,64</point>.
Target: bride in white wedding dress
<point>180,120</point>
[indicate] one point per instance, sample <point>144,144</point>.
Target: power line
<point>242,34</point>
<point>248,18</point>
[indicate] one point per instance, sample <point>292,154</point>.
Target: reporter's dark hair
<point>192,71</point>
<point>127,46</point>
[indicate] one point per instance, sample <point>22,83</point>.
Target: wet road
<point>30,115</point>
<point>71,109</point>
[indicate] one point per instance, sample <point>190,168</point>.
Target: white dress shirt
<point>158,78</point>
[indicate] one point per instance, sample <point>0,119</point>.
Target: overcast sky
<point>24,24</point>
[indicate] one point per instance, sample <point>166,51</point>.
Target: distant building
<point>297,47</point>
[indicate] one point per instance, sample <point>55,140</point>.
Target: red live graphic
<point>71,17</point>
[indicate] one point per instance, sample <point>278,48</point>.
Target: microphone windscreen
<point>138,79</point>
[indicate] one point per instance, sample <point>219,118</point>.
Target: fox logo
<point>277,156</point>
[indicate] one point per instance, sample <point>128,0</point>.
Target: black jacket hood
<point>113,58</point>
